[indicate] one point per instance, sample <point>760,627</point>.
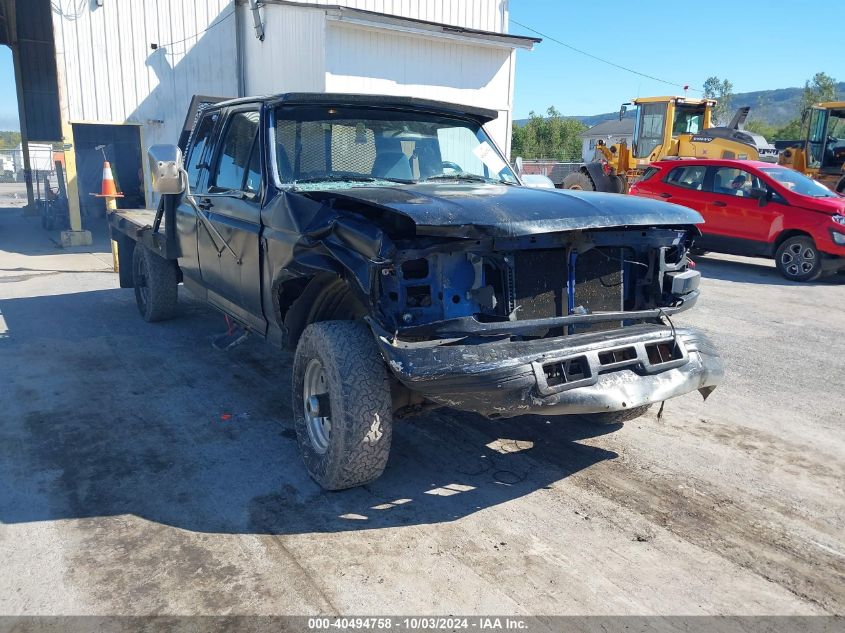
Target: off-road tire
<point>578,180</point>
<point>619,184</point>
<point>617,417</point>
<point>795,245</point>
<point>360,403</point>
<point>160,278</point>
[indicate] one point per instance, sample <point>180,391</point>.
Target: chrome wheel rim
<point>798,260</point>
<point>315,395</point>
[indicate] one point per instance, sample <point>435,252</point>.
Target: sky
<point>756,44</point>
<point>8,96</point>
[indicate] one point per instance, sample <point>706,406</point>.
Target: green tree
<point>790,132</point>
<point>517,141</point>
<point>761,128</point>
<point>822,87</point>
<point>553,137</point>
<point>9,140</point>
<point>722,91</point>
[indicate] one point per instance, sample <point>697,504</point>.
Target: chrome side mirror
<point>166,169</point>
<point>519,164</point>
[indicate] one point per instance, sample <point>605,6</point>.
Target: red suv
<point>758,209</point>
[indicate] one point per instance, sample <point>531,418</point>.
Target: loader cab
<point>660,120</point>
<point>825,147</point>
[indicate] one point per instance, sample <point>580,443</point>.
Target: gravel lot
<point>142,472</point>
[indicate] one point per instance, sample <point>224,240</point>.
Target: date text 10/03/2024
<point>418,624</point>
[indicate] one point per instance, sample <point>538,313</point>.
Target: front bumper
<point>585,373</point>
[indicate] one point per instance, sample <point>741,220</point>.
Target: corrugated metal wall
<point>385,62</point>
<point>292,56</point>
<point>303,50</point>
<point>484,15</point>
<point>111,74</point>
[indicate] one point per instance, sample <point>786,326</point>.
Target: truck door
<point>197,155</point>
<point>232,203</point>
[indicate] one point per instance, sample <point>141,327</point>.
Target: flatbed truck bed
<point>147,226</point>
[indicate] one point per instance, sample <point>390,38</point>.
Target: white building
<point>613,131</point>
<point>125,70</point>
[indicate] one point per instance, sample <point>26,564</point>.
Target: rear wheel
<point>798,259</point>
<point>156,282</point>
<point>341,403</point>
<point>616,417</point>
<point>578,180</point>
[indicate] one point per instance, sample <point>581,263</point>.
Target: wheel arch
<point>324,296</point>
<point>785,235</point>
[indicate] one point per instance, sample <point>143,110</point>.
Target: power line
<point>604,61</point>
<point>217,22</point>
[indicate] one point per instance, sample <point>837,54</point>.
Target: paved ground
<point>143,472</point>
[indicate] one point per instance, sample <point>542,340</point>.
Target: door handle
<point>665,195</point>
<point>719,203</point>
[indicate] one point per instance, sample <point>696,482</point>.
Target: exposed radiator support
<point>254,6</point>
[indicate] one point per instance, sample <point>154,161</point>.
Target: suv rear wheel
<point>341,403</point>
<point>798,259</point>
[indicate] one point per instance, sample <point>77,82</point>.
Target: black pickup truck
<point>389,243</point>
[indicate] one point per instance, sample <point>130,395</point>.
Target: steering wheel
<point>448,164</point>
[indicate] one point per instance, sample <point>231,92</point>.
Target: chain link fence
<point>43,172</point>
<point>556,171</point>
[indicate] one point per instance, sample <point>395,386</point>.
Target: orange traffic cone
<point>108,189</point>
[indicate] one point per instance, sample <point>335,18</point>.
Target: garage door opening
<point>120,145</point>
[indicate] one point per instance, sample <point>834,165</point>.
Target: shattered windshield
<point>327,147</point>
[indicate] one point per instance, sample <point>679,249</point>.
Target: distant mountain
<point>774,107</point>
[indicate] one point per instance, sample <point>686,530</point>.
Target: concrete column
<point>76,236</point>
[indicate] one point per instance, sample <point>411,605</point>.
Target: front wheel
<point>341,403</point>
<point>578,180</point>
<point>798,259</point>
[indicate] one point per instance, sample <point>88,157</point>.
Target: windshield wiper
<point>340,178</point>
<point>466,177</point>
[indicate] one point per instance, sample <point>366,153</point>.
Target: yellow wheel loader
<point>821,153</point>
<point>668,127</point>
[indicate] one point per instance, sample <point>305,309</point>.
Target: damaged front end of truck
<point>506,301</point>
<point>482,295</point>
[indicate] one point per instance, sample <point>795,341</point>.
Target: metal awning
<point>27,26</point>
<point>5,40</point>
<point>411,26</point>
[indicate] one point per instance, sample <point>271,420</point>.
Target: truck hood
<point>488,210</point>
